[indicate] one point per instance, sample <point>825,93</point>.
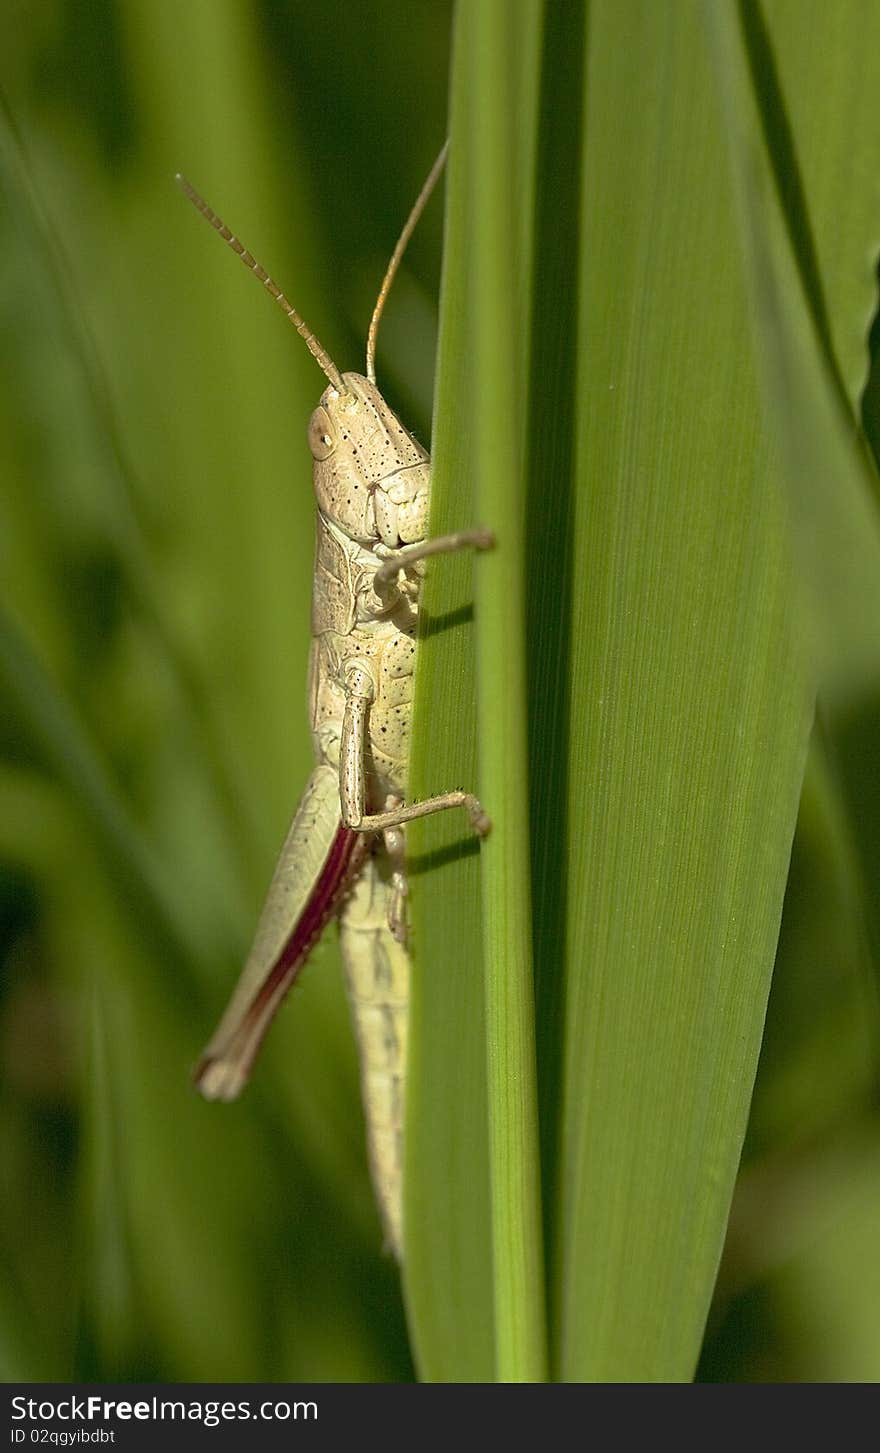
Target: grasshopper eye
<point>322,438</point>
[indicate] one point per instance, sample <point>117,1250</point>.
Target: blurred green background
<point>155,558</point>
<point>157,543</point>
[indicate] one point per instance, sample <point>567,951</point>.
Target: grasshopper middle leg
<point>352,773</point>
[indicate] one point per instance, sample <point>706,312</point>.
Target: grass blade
<point>475,1267</point>
<point>690,710</point>
<point>488,42</point>
<point>828,469</point>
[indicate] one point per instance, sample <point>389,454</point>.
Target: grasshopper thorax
<point>371,477</point>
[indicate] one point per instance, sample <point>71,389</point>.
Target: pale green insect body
<point>344,855</point>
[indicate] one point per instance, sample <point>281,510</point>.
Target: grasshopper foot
<point>481,822</point>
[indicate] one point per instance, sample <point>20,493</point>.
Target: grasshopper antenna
<point>396,255</point>
<point>318,352</point>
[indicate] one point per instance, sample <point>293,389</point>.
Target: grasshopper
<point>344,855</point>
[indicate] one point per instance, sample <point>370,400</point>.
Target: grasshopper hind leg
<point>398,887</point>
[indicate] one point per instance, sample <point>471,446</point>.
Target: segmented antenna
<point>396,255</point>
<point>319,353</point>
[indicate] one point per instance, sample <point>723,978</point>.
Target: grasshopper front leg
<point>388,572</point>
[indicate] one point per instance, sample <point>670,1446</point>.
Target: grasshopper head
<point>371,476</point>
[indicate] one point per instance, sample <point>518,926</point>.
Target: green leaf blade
<point>481,375</point>
<point>690,713</point>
